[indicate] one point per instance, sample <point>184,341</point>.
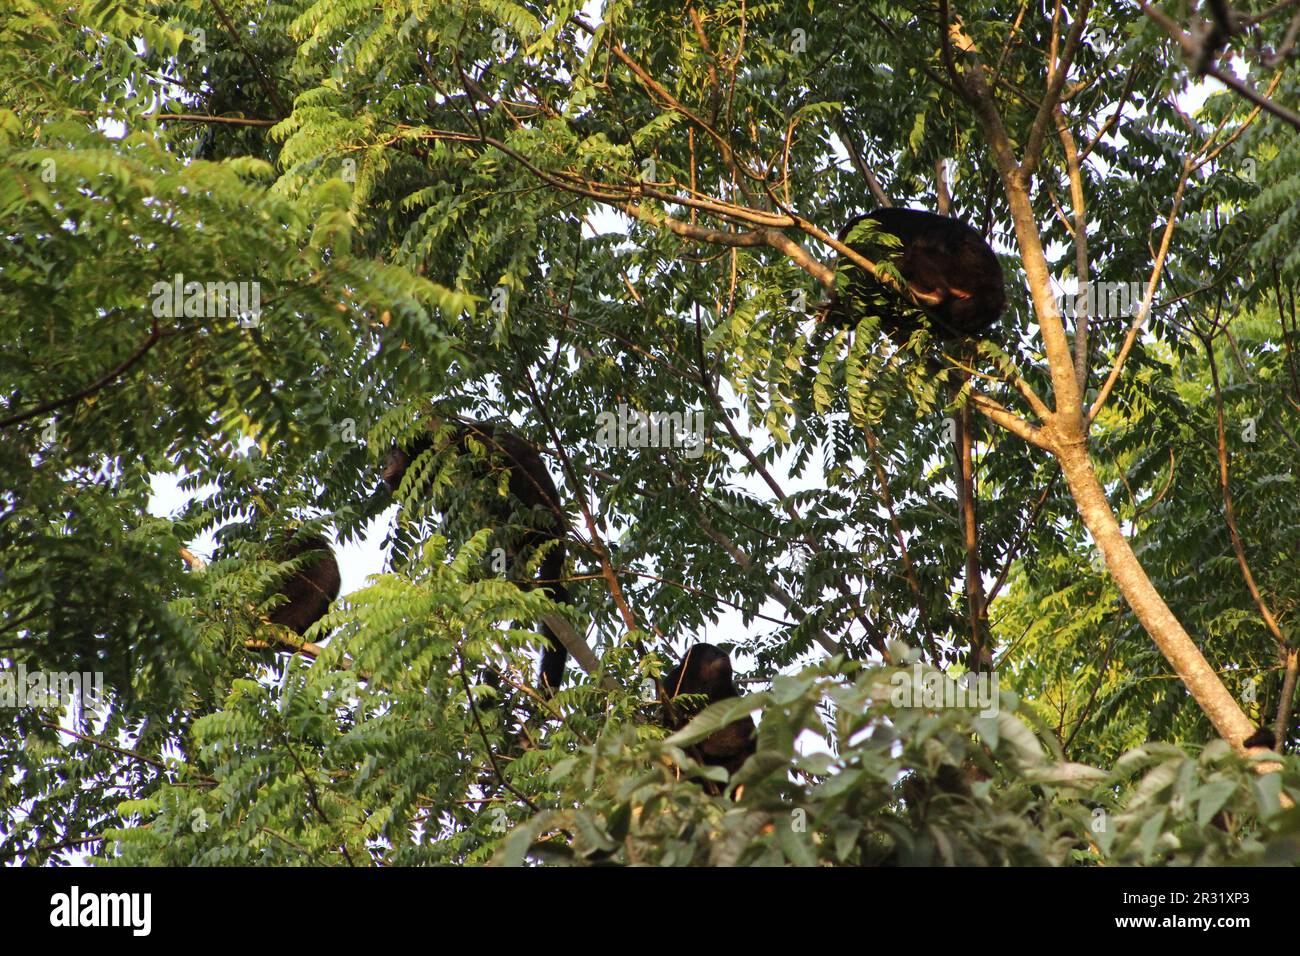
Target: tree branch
<point>137,355</point>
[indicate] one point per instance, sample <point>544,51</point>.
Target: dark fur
<point>535,505</point>
<point>947,265</point>
<point>310,590</point>
<point>706,670</point>
<point>956,278</point>
<point>1262,737</point>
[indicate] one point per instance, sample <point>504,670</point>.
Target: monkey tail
<point>980,656</point>
<point>554,657</point>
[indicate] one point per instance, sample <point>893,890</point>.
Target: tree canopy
<point>255,245</point>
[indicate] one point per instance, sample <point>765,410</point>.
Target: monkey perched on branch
<point>309,590</point>
<point>530,518</point>
<point>948,267</point>
<point>955,279</point>
<point>706,671</point>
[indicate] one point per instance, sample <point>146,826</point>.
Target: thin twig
<point>154,336</point>
<point>487,744</point>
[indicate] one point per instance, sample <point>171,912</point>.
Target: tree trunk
<point>1169,635</point>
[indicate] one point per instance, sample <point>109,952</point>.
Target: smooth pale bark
<point>1152,612</point>
<point>578,648</point>
<point>1065,428</point>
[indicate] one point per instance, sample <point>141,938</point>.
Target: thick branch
<point>1152,283</point>
<point>1067,437</point>
<point>1052,95</point>
<point>1193,51</point>
<point>578,648</point>
<point>1081,266</point>
<point>1282,722</point>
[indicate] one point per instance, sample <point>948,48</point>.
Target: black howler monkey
<point>955,277</point>
<point>311,589</point>
<point>948,267</point>
<point>1262,737</point>
<point>535,504</point>
<point>706,670</point>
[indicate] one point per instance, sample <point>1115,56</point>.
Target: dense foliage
<point>524,211</point>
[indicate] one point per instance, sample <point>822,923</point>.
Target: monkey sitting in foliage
<point>309,590</point>
<point>1262,737</point>
<point>530,518</point>
<point>956,280</point>
<point>706,672</point>
<point>948,267</point>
